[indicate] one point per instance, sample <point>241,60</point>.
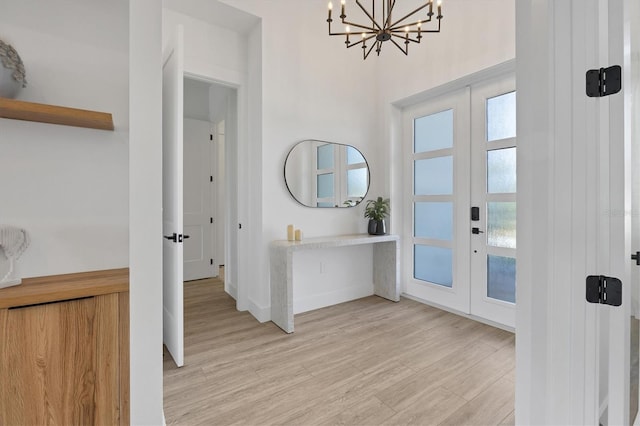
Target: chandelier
<point>381,28</point>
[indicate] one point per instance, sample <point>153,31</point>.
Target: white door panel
<point>437,245</point>
<point>172,206</point>
<point>493,177</point>
<point>199,217</point>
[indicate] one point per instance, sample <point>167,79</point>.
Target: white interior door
<point>172,205</point>
<point>493,200</point>
<point>199,186</point>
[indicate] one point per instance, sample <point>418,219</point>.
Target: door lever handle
<point>476,231</point>
<point>173,237</point>
<point>186,236</point>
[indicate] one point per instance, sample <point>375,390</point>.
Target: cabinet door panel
<point>54,360</point>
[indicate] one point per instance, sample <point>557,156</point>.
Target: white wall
<point>67,186</point>
<point>145,150</point>
<point>209,50</point>
<point>312,88</point>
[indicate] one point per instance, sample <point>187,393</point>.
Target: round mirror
<point>326,174</point>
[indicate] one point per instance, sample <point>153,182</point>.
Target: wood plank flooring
<point>366,362</point>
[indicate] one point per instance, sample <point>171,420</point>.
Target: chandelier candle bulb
<point>342,15</point>
<point>330,7</point>
<point>290,234</point>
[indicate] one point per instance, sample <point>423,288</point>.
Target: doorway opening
<point>207,109</point>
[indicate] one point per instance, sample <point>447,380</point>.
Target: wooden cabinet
<point>64,350</point>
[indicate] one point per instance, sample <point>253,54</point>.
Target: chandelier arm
<point>369,51</point>
<point>399,47</point>
<point>388,20</point>
<point>354,44</point>
<point>406,16</point>
<point>359,41</point>
<point>404,38</point>
<point>412,24</point>
<point>341,33</point>
<point>366,12</point>
<point>364,27</point>
<point>378,47</point>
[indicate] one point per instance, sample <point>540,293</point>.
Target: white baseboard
<point>261,313</point>
<point>231,290</point>
<point>321,300</point>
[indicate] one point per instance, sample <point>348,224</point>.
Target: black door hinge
<point>211,261</point>
<point>210,137</point>
<point>604,81</point>
<point>636,256</point>
<point>210,220</point>
<point>210,178</point>
<point>605,290</point>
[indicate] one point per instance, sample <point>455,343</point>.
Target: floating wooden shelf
<point>30,111</point>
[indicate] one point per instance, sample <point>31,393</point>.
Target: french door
<point>460,253</point>
<point>493,197</point>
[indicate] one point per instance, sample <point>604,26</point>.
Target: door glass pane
<point>434,176</point>
<point>433,131</point>
<point>354,156</point>
<point>433,264</point>
<point>501,278</point>
<point>325,157</point>
<point>501,224</point>
<point>433,220</point>
<point>325,185</point>
<point>356,182</point>
<point>501,171</point>
<point>501,117</point>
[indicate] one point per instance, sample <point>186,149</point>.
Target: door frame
<point>561,239</point>
<point>234,283</point>
<point>403,217</point>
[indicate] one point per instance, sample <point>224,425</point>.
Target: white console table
<point>386,282</point>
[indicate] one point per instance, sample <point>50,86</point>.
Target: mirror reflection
<point>326,174</point>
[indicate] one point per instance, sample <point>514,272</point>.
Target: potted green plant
<point>376,211</point>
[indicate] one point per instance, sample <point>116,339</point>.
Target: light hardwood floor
<point>366,362</point>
